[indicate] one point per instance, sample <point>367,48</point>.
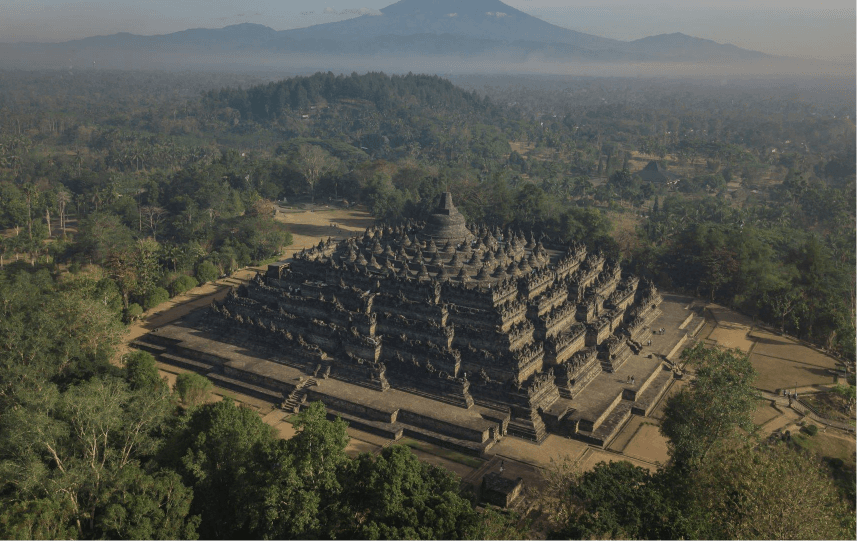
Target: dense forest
<point>119,190</point>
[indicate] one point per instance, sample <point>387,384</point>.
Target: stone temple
<point>454,334</point>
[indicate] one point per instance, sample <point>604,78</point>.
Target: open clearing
<point>776,373</point>
<point>829,445</point>
<point>648,444</point>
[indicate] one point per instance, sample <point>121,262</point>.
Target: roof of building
<point>655,172</point>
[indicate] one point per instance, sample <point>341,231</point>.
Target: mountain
<point>476,19</point>
<point>487,34</point>
<point>677,45</point>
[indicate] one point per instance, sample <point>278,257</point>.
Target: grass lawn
<point>448,454</point>
<point>827,446</point>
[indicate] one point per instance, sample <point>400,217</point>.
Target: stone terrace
<point>386,327</point>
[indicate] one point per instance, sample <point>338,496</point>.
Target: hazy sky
<point>822,29</point>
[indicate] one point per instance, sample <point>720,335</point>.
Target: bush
<point>193,389</point>
<point>141,372</point>
<point>812,430</point>
<point>155,297</point>
<point>836,463</point>
<point>182,284</point>
<point>133,312</point>
<point>206,272</point>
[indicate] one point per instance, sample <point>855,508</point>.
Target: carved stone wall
<point>453,312</point>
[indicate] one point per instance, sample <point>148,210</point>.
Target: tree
<point>303,488</point>
<point>220,453</point>
<point>50,335</point>
<point>769,491</point>
<point>206,272</point>
<point>148,506</point>
<point>193,389</point>
<point>155,297</point>
<point>133,312</point>
<point>154,215</point>
<point>719,401</point>
<point>314,162</point>
<point>182,284</point>
<point>615,500</point>
<point>141,371</point>
<point>783,304</point>
<point>848,393</point>
<point>74,460</point>
<point>396,496</point>
<point>63,199</point>
<point>105,236</point>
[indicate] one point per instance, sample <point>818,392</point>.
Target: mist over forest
<point>129,179</point>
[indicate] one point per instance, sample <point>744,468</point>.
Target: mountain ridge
<point>424,28</point>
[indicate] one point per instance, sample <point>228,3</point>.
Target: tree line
<point>89,449</point>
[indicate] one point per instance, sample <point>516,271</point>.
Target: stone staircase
<point>528,429</point>
<point>184,362</point>
<point>611,365</point>
<point>610,426</point>
<point>648,397</point>
<point>239,386</point>
<point>298,395</point>
<point>474,477</point>
<point>398,429</point>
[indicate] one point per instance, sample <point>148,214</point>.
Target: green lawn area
<point>448,454</point>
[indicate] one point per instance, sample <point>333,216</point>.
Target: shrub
<point>193,389</point>
<point>182,284</point>
<point>155,297</point>
<point>812,430</point>
<point>206,272</point>
<point>836,463</point>
<point>141,372</point>
<point>133,312</point>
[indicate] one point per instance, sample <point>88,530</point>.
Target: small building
<point>656,173</point>
<point>500,491</point>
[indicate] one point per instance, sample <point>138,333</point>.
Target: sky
<point>821,29</point>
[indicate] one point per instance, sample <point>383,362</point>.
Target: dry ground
<point>648,444</point>
<point>308,227</point>
<point>765,413</point>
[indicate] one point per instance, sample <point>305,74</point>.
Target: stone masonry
<point>512,324</point>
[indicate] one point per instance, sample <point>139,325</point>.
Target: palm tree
<point>63,198</point>
<point>96,198</point>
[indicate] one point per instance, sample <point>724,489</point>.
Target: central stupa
<point>446,224</point>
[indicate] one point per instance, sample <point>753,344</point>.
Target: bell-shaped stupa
<point>445,223</point>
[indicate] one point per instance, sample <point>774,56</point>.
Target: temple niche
<point>509,326</point>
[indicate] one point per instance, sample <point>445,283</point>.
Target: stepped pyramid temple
<point>454,334</point>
